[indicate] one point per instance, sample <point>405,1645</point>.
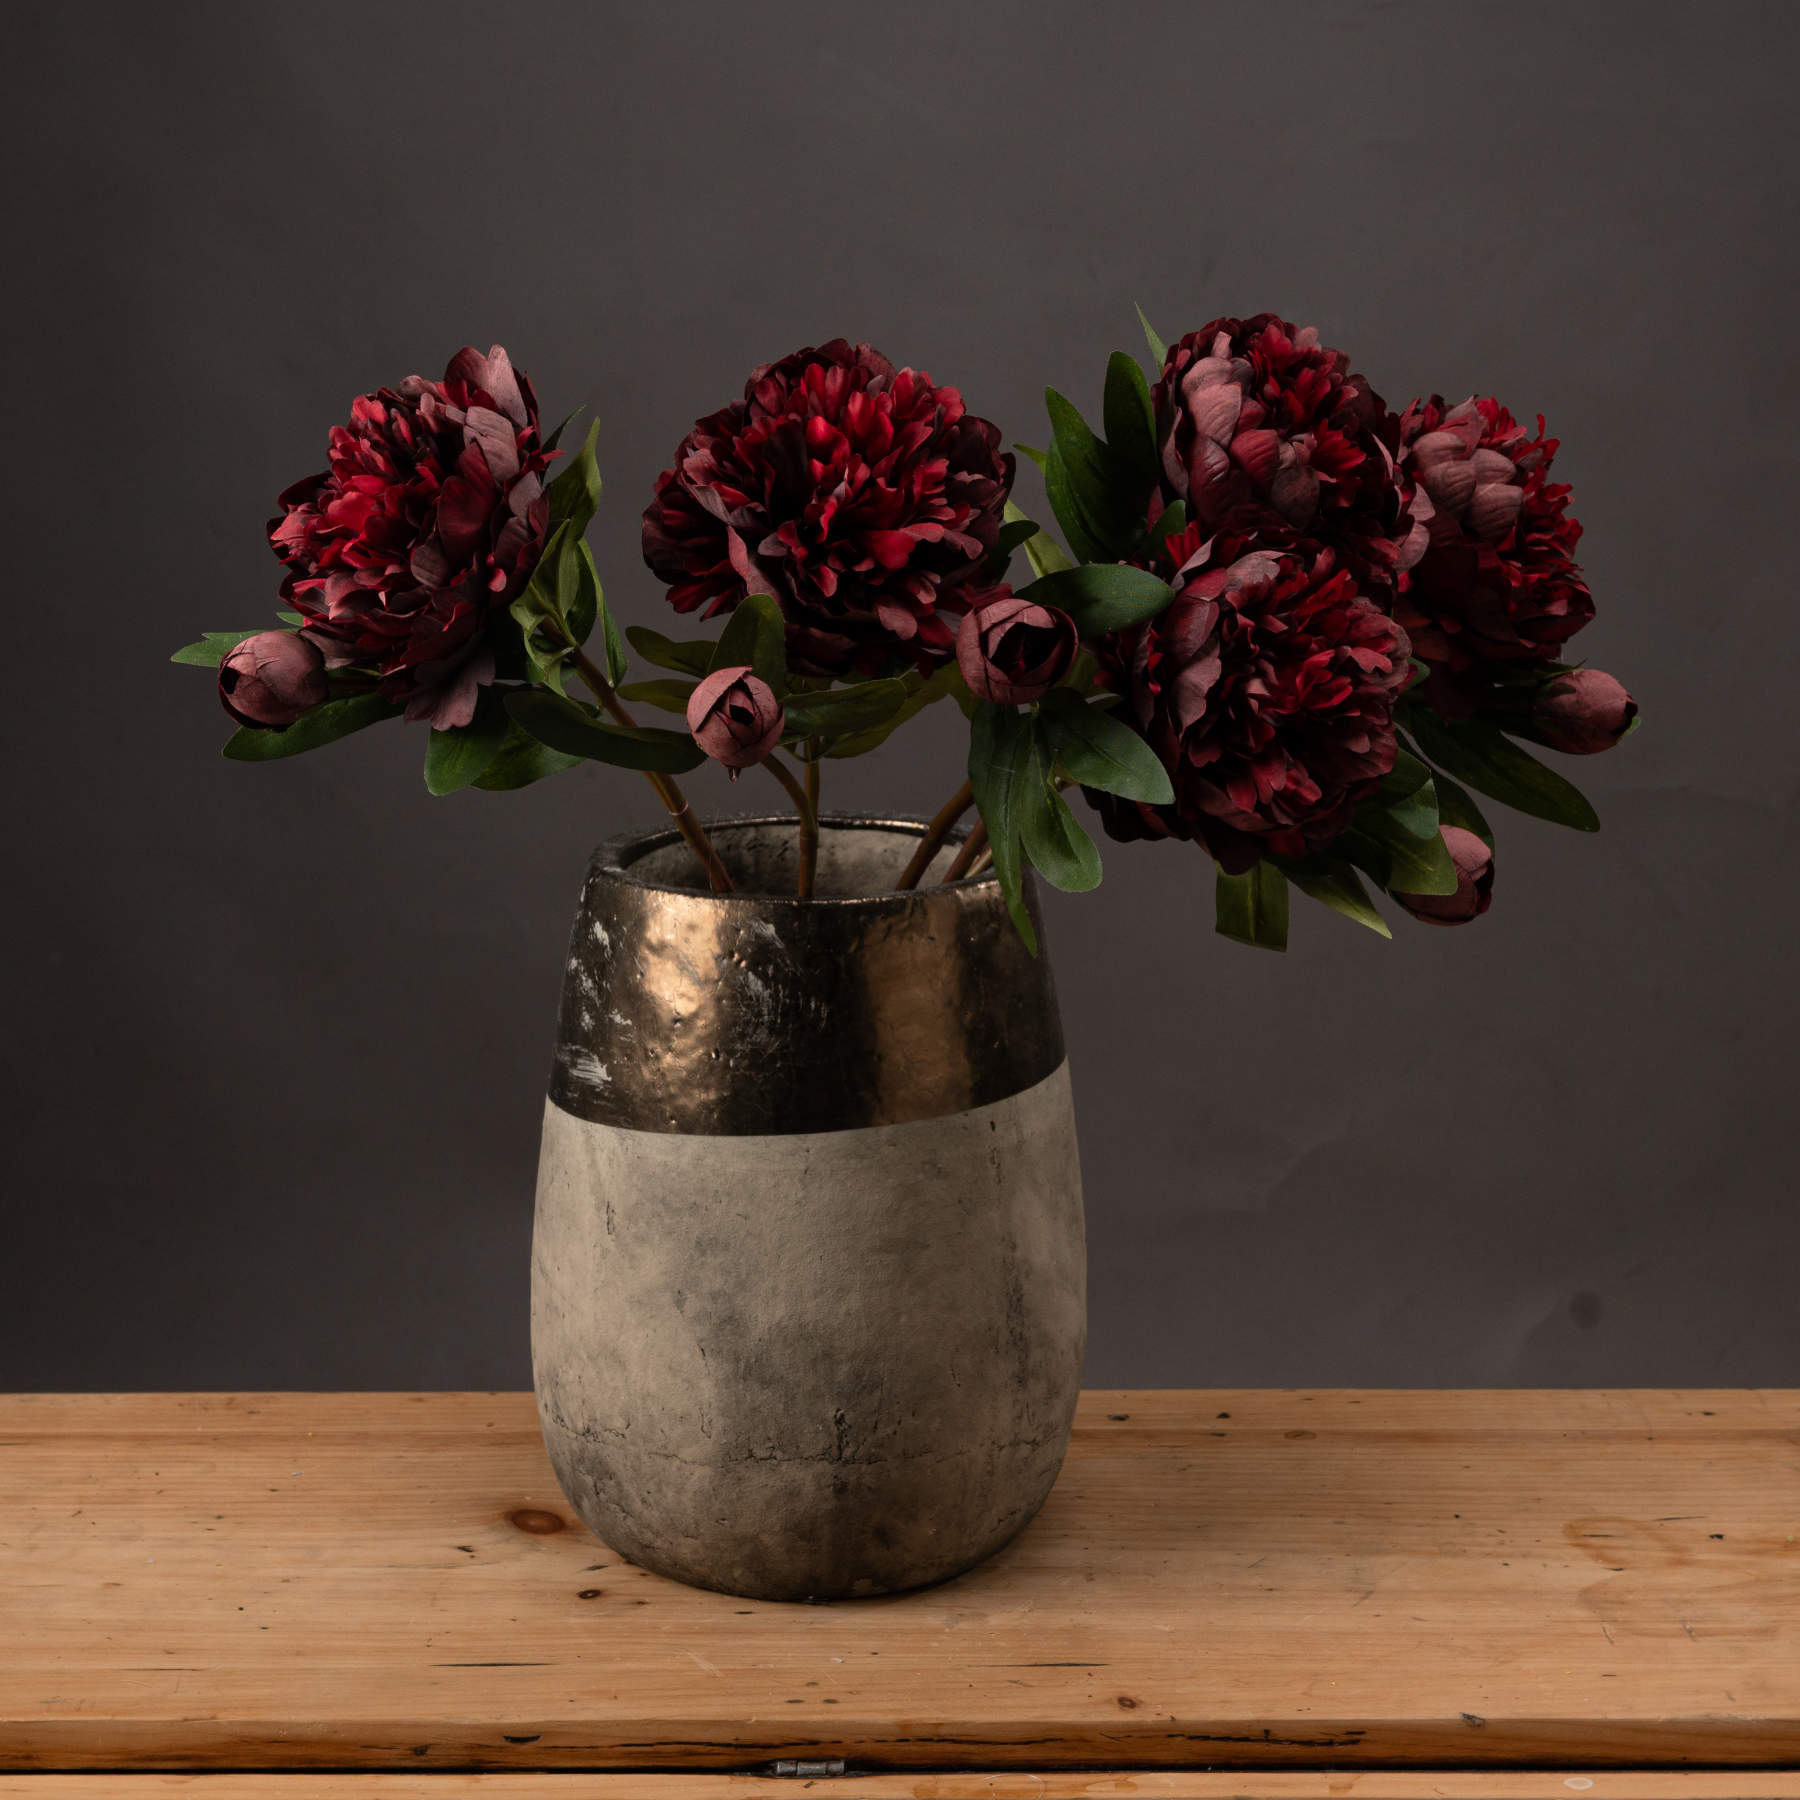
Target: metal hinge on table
<point>801,1770</point>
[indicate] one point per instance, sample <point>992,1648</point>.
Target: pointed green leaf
<point>323,725</point>
<point>1102,492</point>
<point>1033,454</point>
<point>521,761</point>
<point>1101,751</point>
<point>1102,597</point>
<point>1169,522</point>
<point>1456,806</point>
<point>694,657</point>
<point>1051,836</point>
<point>755,636</point>
<point>1487,760</point>
<point>836,712</point>
<point>1013,533</point>
<point>1398,861</point>
<point>577,731</point>
<point>1407,796</point>
<point>1337,885</point>
<point>575,494</point>
<point>1252,908</point>
<point>1045,554</point>
<point>946,679</point>
<point>1000,743</point>
<point>1131,421</point>
<point>1069,516</point>
<point>1159,351</point>
<point>214,647</point>
<point>460,755</point>
<point>670,696</point>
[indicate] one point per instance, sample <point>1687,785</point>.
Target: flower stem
<point>973,845</point>
<point>667,789</point>
<point>935,833</point>
<point>809,820</point>
<point>809,824</point>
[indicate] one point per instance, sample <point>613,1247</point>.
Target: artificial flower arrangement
<point>1283,622</point>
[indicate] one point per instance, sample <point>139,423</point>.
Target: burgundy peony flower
<point>272,679</point>
<point>428,522</point>
<point>1582,712</point>
<point>1013,651</point>
<point>1498,581</point>
<point>864,498</point>
<point>1267,688</point>
<point>735,718</point>
<point>1474,882</point>
<point>1266,432</point>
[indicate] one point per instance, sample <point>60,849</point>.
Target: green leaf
<point>562,425</point>
<point>1100,751</point>
<point>1172,519</point>
<point>946,679</point>
<point>1131,421</point>
<point>577,731</point>
<point>460,755</point>
<point>1012,534</point>
<point>1252,908</point>
<point>1040,457</point>
<point>1102,597</point>
<point>323,725</point>
<point>542,628</point>
<point>1000,755</point>
<point>1337,885</point>
<point>522,760</point>
<point>291,618</point>
<point>837,712</point>
<point>574,495</point>
<point>1042,550</point>
<point>1051,836</point>
<point>214,647</point>
<point>1477,753</point>
<point>755,636</point>
<point>670,696</point>
<point>694,657</point>
<point>578,597</point>
<point>1456,806</point>
<point>1098,489</point>
<point>1399,862</point>
<point>1159,351</point>
<point>618,664</point>
<point>1406,794</point>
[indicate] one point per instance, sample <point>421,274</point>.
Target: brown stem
<point>973,845</point>
<point>935,833</point>
<point>809,823</point>
<point>667,789</point>
<point>809,820</point>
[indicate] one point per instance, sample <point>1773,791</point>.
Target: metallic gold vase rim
<point>615,856</point>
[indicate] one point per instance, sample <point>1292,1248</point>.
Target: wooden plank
<point>1255,1578</point>
<point>1139,1784</point>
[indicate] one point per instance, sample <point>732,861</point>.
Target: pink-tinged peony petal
<point>1213,407</point>
<point>1493,510</point>
<point>493,436</point>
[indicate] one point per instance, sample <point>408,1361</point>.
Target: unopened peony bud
<point>1014,652</point>
<point>735,718</point>
<point>1474,882</point>
<point>272,679</point>
<point>1581,712</point>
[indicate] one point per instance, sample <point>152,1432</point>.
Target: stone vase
<point>808,1265</point>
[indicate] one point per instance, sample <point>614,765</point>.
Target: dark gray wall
<point>277,1036</point>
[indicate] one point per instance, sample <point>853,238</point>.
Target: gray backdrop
<point>278,1035</point>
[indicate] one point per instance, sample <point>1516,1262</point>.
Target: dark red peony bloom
<point>1498,581</point>
<point>1267,688</point>
<point>735,718</point>
<point>1267,433</point>
<point>428,522</point>
<point>1474,882</point>
<point>1012,651</point>
<point>272,679</point>
<point>864,498</point>
<point>1582,712</point>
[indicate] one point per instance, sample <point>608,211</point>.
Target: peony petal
<point>495,438</point>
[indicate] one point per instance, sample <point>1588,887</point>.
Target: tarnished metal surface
<point>755,1013</point>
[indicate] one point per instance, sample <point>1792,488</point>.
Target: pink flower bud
<point>735,718</point>
<point>1581,712</point>
<point>1012,651</point>
<point>1474,882</point>
<point>272,679</point>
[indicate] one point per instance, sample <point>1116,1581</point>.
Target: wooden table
<point>1282,1594</point>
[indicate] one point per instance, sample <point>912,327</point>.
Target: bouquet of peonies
<point>1283,621</point>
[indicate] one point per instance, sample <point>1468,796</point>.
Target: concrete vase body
<point>808,1306</point>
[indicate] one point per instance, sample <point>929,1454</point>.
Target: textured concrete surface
<point>815,1365</point>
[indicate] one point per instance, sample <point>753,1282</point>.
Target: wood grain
<point>1140,1784</point>
<point>1573,1579</point>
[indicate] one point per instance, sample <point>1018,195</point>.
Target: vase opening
<point>859,858</point>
